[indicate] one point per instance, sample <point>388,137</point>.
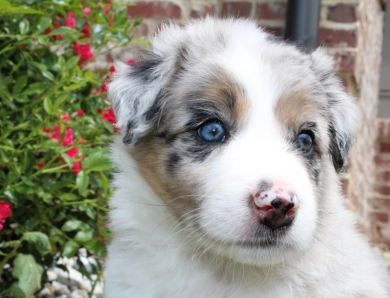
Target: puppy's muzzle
<point>276,207</point>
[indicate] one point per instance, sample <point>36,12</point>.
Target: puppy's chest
<point>192,278</point>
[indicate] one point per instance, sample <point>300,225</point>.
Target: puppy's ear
<point>343,111</point>
<point>135,96</point>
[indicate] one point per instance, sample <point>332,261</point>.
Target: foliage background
<point>55,126</point>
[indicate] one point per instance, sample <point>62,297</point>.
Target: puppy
<point>227,185</point>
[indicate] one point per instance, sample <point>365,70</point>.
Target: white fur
<point>153,254</point>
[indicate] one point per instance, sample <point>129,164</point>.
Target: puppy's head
<point>237,133</point>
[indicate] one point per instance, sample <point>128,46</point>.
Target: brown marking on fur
<point>223,92</point>
<point>178,194</point>
<point>296,108</point>
<point>179,190</point>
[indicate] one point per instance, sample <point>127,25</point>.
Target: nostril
<point>277,203</point>
<point>275,207</point>
<point>291,212</point>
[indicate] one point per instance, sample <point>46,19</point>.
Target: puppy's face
<point>237,133</point>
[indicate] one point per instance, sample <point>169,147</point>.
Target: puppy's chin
<point>260,252</point>
<point>263,248</point>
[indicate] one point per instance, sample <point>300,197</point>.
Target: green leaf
<point>28,273</point>
<point>97,161</point>
<point>35,88</point>
<point>82,181</point>
<point>63,30</point>
<point>20,83</point>
<point>47,197</point>
<point>96,247</point>
<point>24,26</point>
<point>40,240</point>
<point>70,248</point>
<point>89,210</point>
<point>42,26</point>
<point>72,62</point>
<point>60,100</point>
<point>6,8</point>
<point>84,236</point>
<point>71,225</point>
<point>38,65</point>
<point>74,86</point>
<point>43,39</point>
<point>47,105</point>
<point>68,197</point>
<point>48,75</point>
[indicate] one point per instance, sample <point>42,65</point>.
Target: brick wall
<point>338,31</point>
<point>366,76</point>
<point>380,208</point>
<point>351,31</point>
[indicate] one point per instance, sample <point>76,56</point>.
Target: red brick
<point>202,11</point>
<point>381,129</point>
<point>271,11</point>
<point>383,176</point>
<point>343,13</point>
<point>382,161</point>
<point>380,216</point>
<point>334,37</point>
<point>383,189</point>
<point>384,232</point>
<point>384,147</point>
<point>277,31</point>
<point>236,9</point>
<point>345,61</point>
<point>383,204</point>
<point>158,10</point>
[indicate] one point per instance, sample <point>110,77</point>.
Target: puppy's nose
<point>275,207</point>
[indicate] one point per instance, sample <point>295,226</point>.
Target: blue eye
<point>305,142</point>
<point>212,131</point>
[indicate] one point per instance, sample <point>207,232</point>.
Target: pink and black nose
<point>276,207</point>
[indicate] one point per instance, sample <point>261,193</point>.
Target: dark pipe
<point>302,23</point>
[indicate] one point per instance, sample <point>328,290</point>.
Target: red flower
<point>86,31</point>
<point>21,46</point>
<point>46,129</point>
<point>87,10</point>
<point>82,141</point>
<point>97,92</point>
<point>5,211</point>
<point>65,117</point>
<point>41,165</point>
<point>77,167</point>
<point>99,110</point>
<point>107,9</point>
<point>109,116</point>
<point>112,19</point>
<point>84,50</point>
<point>56,133</point>
<point>68,139</point>
<point>104,87</point>
<point>47,30</point>
<point>70,20</point>
<point>80,113</point>
<point>112,69</point>
<point>72,153</point>
<point>131,61</point>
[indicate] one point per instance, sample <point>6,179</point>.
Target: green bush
<point>55,126</point>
